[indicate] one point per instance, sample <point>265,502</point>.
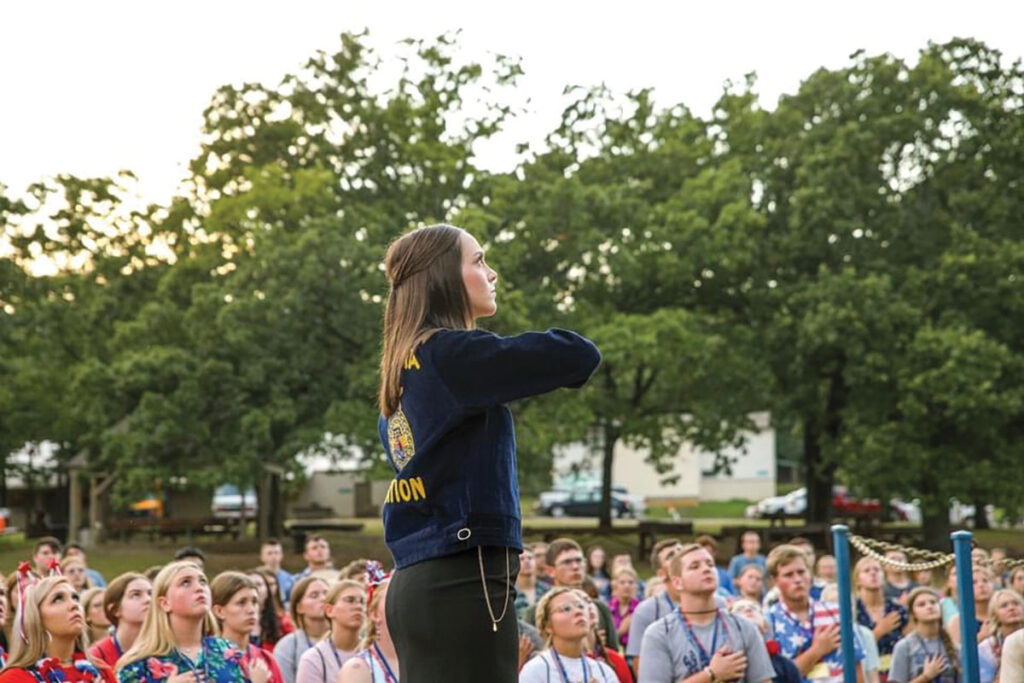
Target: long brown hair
<point>947,642</point>
<point>223,588</point>
<point>424,268</point>
<point>114,594</point>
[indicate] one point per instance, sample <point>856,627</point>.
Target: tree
<point>622,229</point>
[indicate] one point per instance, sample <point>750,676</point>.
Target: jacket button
<point>463,534</point>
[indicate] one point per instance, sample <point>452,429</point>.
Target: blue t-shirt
<point>738,562</point>
<point>452,443</point>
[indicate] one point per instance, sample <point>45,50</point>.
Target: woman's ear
<point>163,604</point>
<point>218,611</point>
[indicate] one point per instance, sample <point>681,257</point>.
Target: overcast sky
<point>93,87</point>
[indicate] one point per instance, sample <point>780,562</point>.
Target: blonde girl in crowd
<point>97,624</point>
<point>236,607</point>
<point>1006,614</point>
<point>125,602</point>
<point>563,621</point>
<point>982,596</point>
<point>377,661</point>
<point>178,641</point>
<point>1016,580</point>
<point>884,616</point>
<point>73,568</point>
<point>48,638</point>
<point>345,609</point>
<point>750,583</point>
<point>926,653</point>
<point>307,613</point>
<point>624,601</point>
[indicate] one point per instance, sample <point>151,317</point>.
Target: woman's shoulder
<point>536,668</point>
<point>285,643</point>
<point>606,670</point>
<point>16,674</point>
<point>314,652</point>
<point>221,646</point>
<point>360,662</point>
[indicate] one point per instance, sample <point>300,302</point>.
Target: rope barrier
<point>876,549</point>
<point>1008,564</point>
<point>933,560</point>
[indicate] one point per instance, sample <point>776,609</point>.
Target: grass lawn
<point>138,554</point>
<point>114,558</point>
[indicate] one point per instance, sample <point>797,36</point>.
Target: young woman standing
<point>96,622</point>
<point>926,653</point>
<point>884,616</point>
<point>177,642</point>
<point>452,516</point>
<point>307,613</point>
<point>1006,614</point>
<point>125,602</point>
<point>236,607</point>
<point>377,661</point>
<point>345,608</point>
<point>624,602</point>
<point>563,622</point>
<point>49,638</point>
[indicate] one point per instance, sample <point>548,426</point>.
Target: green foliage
<point>850,260</point>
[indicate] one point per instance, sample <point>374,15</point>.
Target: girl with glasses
<point>564,622</point>
<point>345,609</point>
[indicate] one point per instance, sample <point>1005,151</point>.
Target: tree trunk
<point>604,511</point>
<point>276,506</point>
<point>3,476</point>
<point>936,527</point>
<point>980,518</point>
<point>817,477</point>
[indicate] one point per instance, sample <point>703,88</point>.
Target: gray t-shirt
<point>645,614</point>
<point>669,654</point>
<point>908,658</point>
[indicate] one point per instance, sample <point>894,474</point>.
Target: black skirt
<point>438,619</point>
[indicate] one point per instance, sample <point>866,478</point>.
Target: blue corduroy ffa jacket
<point>452,443</point>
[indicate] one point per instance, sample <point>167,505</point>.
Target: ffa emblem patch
<point>400,439</point>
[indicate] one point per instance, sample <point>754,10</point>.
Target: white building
<point>752,474</point>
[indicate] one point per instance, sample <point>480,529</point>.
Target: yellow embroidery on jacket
<point>406,490</point>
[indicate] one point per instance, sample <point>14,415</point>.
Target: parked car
<point>794,504</point>
<point>559,496</point>
<point>960,514</point>
<point>228,501</point>
<point>585,503</point>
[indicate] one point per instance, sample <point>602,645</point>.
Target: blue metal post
<point>841,548</point>
<point>965,596</point>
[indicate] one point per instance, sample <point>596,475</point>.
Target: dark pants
<point>439,622</point>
